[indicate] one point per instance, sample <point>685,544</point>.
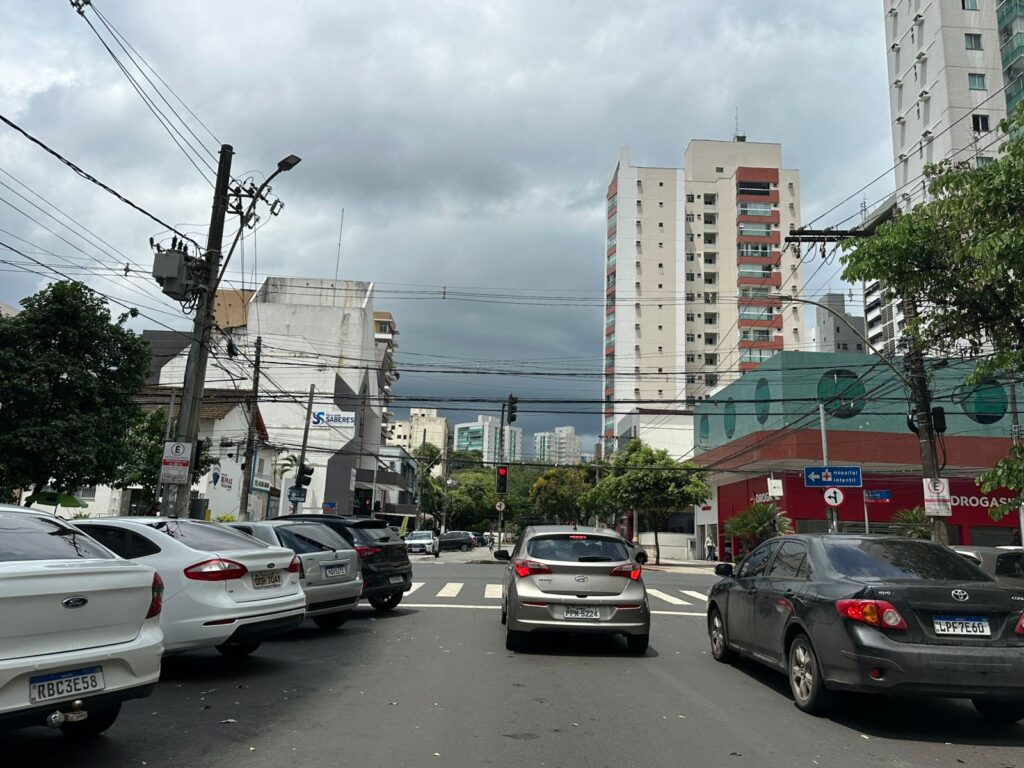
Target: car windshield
<point>28,537</point>
<point>207,537</point>
<point>416,535</point>
<point>899,559</point>
<point>576,548</point>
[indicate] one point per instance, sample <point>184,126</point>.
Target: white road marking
<point>698,595</point>
<point>452,605</point>
<point>415,585</point>
<point>492,592</point>
<point>671,599</point>
<point>451,589</point>
<point>675,613</point>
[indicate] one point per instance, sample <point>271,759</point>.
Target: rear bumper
<point>37,715</point>
<point>551,618</point>
<point>926,670</point>
<point>215,628</point>
<point>257,631</point>
<point>381,584</point>
<point>332,598</point>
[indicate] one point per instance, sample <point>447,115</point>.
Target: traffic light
<point>376,507</point>
<point>501,479</point>
<point>304,477</point>
<point>513,407</point>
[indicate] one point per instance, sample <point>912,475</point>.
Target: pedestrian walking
<point>490,542</point>
<point>710,550</point>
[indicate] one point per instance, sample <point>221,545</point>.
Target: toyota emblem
<point>582,578</point>
<point>960,595</point>
<point>74,602</point>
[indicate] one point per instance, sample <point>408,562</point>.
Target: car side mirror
<point>723,569</point>
<point>502,554</point>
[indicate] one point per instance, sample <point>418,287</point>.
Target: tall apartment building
<point>834,335</point>
<point>946,99</point>
<point>692,264</point>
<point>482,435</point>
<point>422,426</point>
<point>560,447</point>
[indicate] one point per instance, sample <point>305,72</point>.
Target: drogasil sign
<point>980,501</point>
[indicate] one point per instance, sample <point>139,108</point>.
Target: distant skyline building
<point>693,263</point>
<point>482,435</point>
<point>422,426</point>
<point>832,334</point>
<point>560,447</point>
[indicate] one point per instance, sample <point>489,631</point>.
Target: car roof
<point>535,530</point>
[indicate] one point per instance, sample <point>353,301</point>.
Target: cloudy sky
<point>469,142</point>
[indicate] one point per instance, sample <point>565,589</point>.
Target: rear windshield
<point>207,537</point>
<point>881,559</point>
<point>306,538</point>
<point>28,537</point>
<point>1010,564</point>
<point>364,534</point>
<point>576,548</point>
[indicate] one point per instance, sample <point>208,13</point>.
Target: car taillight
<point>367,551</point>
<point>529,567</point>
<point>295,566</point>
<point>1020,625</point>
<point>877,613</point>
<point>629,570</point>
<point>156,602</point>
<point>217,569</point>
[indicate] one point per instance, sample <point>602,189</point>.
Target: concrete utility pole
<point>305,441</point>
<point>250,439</point>
<point>199,349</point>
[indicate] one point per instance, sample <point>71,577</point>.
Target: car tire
<point>437,553</point>
<point>388,602</point>
<point>96,723</point>
<point>638,644</point>
<point>513,639</point>
<point>464,548</point>
<point>999,712</point>
<point>720,649</point>
<point>331,620</point>
<point>805,679</point>
<point>237,650</point>
<point>641,558</point>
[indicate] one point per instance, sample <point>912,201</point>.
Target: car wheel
<point>96,723</point>
<point>513,639</point>
<point>437,553</point>
<point>331,620</point>
<point>638,644</point>
<point>388,602</point>
<point>237,650</point>
<point>720,649</point>
<point>641,558</point>
<point>464,548</point>
<point>805,679</point>
<point>999,712</point>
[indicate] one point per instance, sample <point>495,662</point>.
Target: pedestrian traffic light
<point>501,479</point>
<point>304,477</point>
<point>513,407</point>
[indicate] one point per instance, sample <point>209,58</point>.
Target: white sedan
<point>223,589</point>
<point>423,541</point>
<point>79,627</point>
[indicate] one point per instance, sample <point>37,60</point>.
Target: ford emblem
<point>74,602</point>
<point>582,578</point>
<point>960,595</point>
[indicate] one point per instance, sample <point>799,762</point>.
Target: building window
<point>711,278</point>
<point>976,81</point>
<point>710,359</point>
<point>661,204</point>
<point>691,358</point>
<point>661,183</point>
<point>711,339</point>
<point>659,285</point>
<point>710,199</point>
<point>972,40</point>
<point>660,349</point>
<point>689,237</point>
<point>969,5</point>
<point>979,123</point>
<point>689,277</point>
<point>689,317</point>
<point>690,337</point>
<point>710,298</point>
<point>711,318</point>
<point>710,258</point>
<point>982,161</point>
<point>719,169</point>
<point>689,217</point>
<point>689,198</point>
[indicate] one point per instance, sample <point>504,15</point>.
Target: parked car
<point>328,566</point>
<point>387,572</point>
<point>573,579</point>
<point>478,538</point>
<point>461,540</point>
<point>636,552</point>
<point>223,589</point>
<point>80,632</point>
<point>423,541</point>
<point>873,614</point>
<point>1004,563</point>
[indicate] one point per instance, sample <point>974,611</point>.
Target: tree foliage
<point>913,523</point>
<point>68,376</point>
<point>557,493</point>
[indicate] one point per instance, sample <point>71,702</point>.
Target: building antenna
<point>337,262</point>
<point>737,132</point>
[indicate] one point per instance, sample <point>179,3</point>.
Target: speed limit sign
<point>833,497</point>
<point>500,506</point>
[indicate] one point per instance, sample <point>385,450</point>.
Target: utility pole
<point>831,513</point>
<point>305,441</point>
<point>250,439</point>
<point>167,436</point>
<point>199,350</point>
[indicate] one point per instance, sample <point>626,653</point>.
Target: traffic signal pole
<point>305,441</point>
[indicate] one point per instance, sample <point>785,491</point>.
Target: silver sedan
<point>573,579</point>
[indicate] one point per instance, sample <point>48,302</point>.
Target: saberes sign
<point>334,418</point>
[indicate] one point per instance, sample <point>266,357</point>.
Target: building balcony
<point>773,343</point>
<point>1007,10</point>
<point>758,301</point>
<point>771,197</point>
<point>775,279</point>
<point>775,321</point>
<point>773,238</point>
<point>1012,49</point>
<point>771,218</point>
<point>773,259</point>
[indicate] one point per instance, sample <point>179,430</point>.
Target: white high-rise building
<point>946,100</point>
<point>693,266</point>
<point>422,426</point>
<point>560,447</point>
<point>482,436</point>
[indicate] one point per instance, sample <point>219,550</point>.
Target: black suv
<point>463,540</point>
<point>387,572</point>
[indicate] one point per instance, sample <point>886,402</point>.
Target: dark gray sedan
<point>873,614</point>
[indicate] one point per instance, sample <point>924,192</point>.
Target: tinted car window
<point>791,562</point>
<point>899,559</point>
<point>305,538</point>
<point>1010,564</point>
<point>123,543</point>
<point>206,537</point>
<point>27,537</point>
<point>756,562</point>
<point>576,548</point>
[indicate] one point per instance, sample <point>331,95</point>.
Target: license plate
<point>976,626</point>
<point>397,579</point>
<point>62,684</point>
<point>334,570</point>
<point>581,612</point>
<point>264,579</point>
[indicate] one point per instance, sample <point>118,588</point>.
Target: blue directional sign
<point>878,496</point>
<point>834,477</point>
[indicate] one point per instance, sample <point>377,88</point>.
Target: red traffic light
<point>502,471</point>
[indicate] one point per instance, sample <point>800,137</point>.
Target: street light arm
<point>856,332</point>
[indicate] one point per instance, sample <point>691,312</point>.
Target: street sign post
<point>878,496</point>
<point>174,468</point>
<point>937,502</point>
<point>833,477</point>
<point>499,506</point>
<point>296,495</point>
<point>834,497</point>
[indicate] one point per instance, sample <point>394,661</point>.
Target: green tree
<point>465,460</point>
<point>913,523</point>
<point>558,491</point>
<point>960,254</point>
<point>428,489</point>
<point>652,483</point>
<point>471,499</point>
<point>757,523</point>
<point>68,376</point>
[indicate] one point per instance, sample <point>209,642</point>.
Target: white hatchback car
<point>79,627</point>
<point>223,589</point>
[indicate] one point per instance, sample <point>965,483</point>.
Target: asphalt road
<point>431,684</point>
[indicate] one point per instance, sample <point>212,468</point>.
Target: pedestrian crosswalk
<point>485,595</point>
